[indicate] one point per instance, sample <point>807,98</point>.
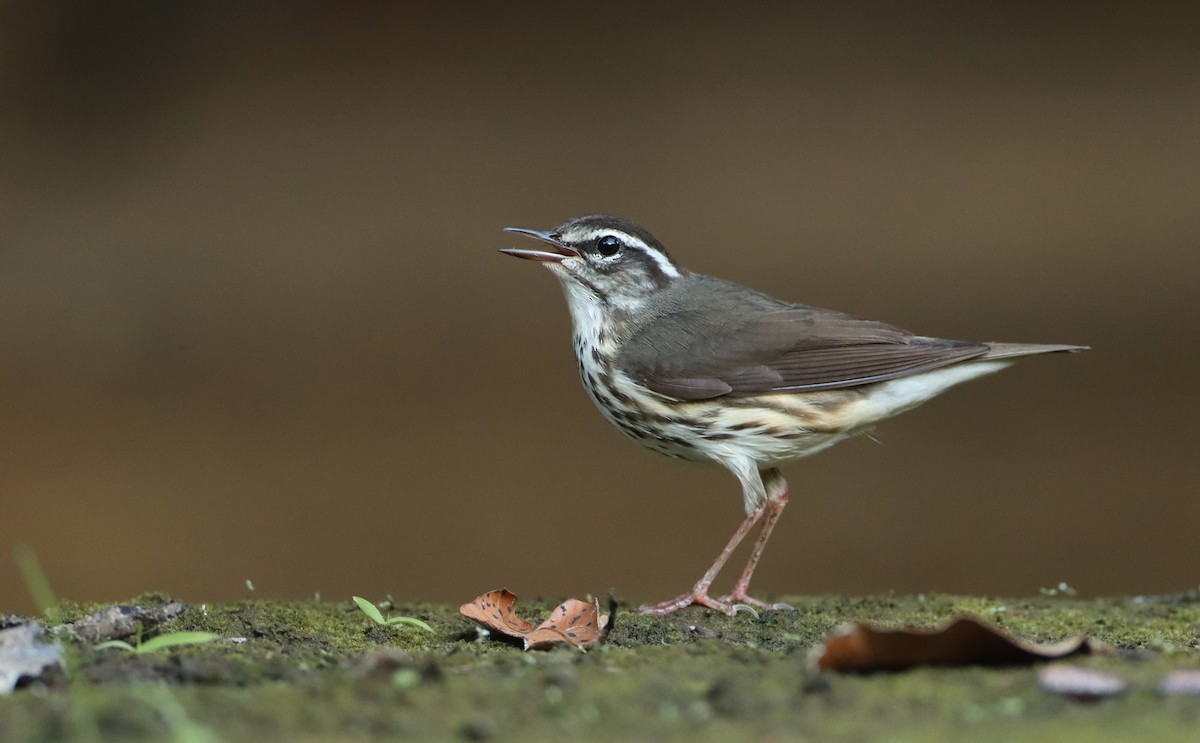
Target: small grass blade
<point>410,620</point>
<point>183,728</point>
<point>174,639</point>
<point>35,579</point>
<point>369,609</point>
<point>114,644</point>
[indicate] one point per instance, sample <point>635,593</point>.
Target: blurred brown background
<point>253,324</point>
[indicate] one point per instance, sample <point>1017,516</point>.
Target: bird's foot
<point>698,597</point>
<point>739,598</point>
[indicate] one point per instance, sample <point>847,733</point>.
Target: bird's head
<point>604,261</point>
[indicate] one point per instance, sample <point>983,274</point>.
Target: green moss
<point>302,673</point>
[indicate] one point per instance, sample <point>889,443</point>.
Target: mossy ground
<point>323,671</point>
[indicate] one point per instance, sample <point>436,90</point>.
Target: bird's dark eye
<point>609,245</point>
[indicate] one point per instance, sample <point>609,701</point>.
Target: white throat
<point>587,313</point>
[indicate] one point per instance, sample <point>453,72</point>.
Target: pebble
<point>1081,684</point>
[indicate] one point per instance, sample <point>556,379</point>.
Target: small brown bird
<point>698,368</point>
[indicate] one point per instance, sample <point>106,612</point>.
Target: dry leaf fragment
<point>573,622</point>
<point>964,642</point>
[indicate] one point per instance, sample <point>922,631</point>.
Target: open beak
<point>561,251</point>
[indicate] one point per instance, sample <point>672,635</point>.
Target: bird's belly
<point>769,429</point>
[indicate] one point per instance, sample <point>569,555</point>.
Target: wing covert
<point>696,353</point>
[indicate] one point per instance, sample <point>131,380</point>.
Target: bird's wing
<point>696,353</point>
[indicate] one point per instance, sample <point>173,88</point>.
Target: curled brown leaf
<point>573,622</point>
<point>495,610</point>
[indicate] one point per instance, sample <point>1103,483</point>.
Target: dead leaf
<point>21,654</point>
<point>494,610</point>
<point>572,622</point>
<point>964,642</point>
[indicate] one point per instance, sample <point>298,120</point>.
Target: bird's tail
<point>1011,350</point>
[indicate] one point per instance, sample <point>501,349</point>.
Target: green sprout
<point>161,642</point>
<point>372,611</point>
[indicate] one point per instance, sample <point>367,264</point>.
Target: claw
<point>744,607</point>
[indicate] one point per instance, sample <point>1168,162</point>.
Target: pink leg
<point>739,593</point>
<point>699,594</point>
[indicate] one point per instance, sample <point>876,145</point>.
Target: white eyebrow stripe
<point>664,264</point>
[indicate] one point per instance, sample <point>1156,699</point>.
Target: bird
<point>698,368</point>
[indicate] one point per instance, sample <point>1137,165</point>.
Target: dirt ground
<point>323,671</point>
